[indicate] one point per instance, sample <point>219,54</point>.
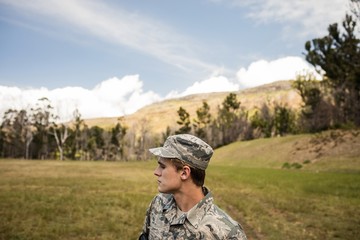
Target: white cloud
<point>212,84</point>
<point>263,72</point>
<point>118,89</point>
<point>111,98</point>
<point>311,17</point>
<point>258,73</point>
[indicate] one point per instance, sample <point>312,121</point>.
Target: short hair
<point>197,175</point>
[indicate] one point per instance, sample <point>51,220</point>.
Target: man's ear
<point>185,172</point>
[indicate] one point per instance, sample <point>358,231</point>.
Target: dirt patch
<point>345,143</point>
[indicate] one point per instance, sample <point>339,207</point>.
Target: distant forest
<point>331,103</point>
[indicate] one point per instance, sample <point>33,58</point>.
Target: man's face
<point>169,180</point>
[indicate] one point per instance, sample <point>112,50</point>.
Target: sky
<point>109,58</point>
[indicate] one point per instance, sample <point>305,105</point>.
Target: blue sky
<point>109,58</point>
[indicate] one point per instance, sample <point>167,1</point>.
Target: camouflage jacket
<point>204,221</point>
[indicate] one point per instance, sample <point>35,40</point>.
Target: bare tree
<point>29,136</point>
<point>79,126</point>
<point>60,134</point>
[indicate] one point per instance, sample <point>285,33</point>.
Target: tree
<point>263,122</point>
<point>117,139</point>
<point>316,113</point>
<point>13,136</point>
<point>284,120</point>
<point>142,139</point>
<point>29,136</point>
<point>108,150</point>
<point>338,55</point>
<point>166,134</point>
<point>2,142</point>
<point>61,135</point>
<point>78,131</point>
<point>201,122</point>
<point>97,142</point>
<point>43,118</point>
<point>230,119</point>
<point>231,104</point>
<point>184,121</point>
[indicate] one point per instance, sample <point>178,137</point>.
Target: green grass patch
<point>108,200</point>
<point>73,200</point>
<point>290,204</point>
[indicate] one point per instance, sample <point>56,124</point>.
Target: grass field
<point>108,200</point>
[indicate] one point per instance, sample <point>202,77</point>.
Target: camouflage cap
<point>187,148</point>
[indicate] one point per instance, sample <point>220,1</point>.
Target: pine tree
<point>184,121</point>
<point>338,55</point>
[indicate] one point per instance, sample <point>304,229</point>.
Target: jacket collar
<point>194,215</point>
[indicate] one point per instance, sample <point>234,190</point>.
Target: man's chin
<point>161,190</point>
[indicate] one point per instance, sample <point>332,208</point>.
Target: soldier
<point>184,208</point>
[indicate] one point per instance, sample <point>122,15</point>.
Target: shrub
<point>286,165</point>
<point>293,165</point>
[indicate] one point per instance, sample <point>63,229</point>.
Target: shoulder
<point>222,225</point>
<point>161,201</point>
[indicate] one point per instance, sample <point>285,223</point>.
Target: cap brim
<point>162,152</point>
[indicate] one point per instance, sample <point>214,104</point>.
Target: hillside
<point>156,117</point>
<point>333,150</point>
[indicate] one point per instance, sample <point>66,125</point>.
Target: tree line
<point>331,103</point>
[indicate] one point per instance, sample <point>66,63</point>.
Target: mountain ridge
<point>156,117</point>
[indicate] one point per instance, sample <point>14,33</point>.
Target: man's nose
<point>157,172</point>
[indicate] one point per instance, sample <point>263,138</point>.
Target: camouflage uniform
<point>164,220</point>
<point>204,221</point>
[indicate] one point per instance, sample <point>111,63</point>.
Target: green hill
<point>334,150</point>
